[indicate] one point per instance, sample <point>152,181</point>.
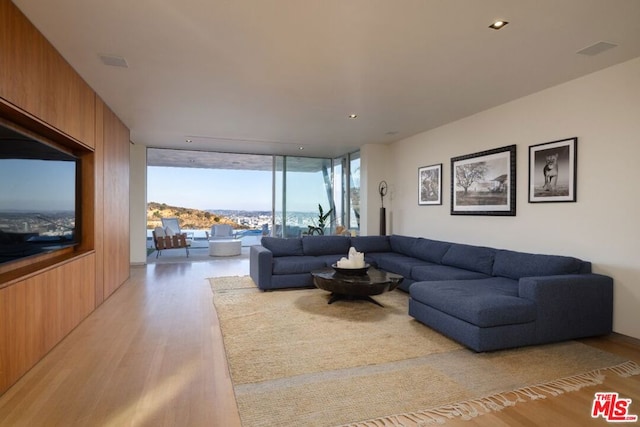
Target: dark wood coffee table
<point>343,286</point>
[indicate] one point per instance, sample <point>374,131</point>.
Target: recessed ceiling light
<point>498,25</point>
<point>188,141</point>
<point>353,116</point>
<point>301,148</point>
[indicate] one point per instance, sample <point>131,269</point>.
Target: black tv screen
<point>38,190</point>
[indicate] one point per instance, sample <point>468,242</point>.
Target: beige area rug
<point>297,361</point>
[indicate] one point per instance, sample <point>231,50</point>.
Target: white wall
<point>374,167</point>
<point>603,111</point>
<point>138,204</point>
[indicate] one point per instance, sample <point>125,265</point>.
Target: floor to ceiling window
<point>257,194</point>
<point>354,191</point>
<point>339,191</point>
<point>306,187</point>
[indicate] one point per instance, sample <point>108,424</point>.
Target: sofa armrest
<point>570,306</point>
<point>260,266</point>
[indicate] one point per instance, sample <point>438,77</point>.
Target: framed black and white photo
<point>430,185</point>
<point>552,171</point>
<point>484,183</point>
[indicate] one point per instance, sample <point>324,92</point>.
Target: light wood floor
<point>152,355</point>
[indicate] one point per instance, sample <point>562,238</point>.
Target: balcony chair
<point>174,224</point>
<point>167,239</point>
<point>221,231</point>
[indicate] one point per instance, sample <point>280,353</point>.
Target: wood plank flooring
<point>152,355</point>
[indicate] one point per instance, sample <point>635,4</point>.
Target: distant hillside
<point>189,218</point>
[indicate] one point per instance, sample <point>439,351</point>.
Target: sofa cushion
<point>474,258</point>
<point>493,285</point>
<point>484,303</point>
<point>282,247</point>
<point>397,263</point>
<point>430,250</point>
<point>402,244</point>
<point>326,245</point>
<point>518,264</point>
<point>329,260</point>
<point>444,272</point>
<point>296,264</point>
<point>367,244</point>
<point>373,258</point>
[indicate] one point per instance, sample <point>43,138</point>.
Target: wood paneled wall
<point>116,202</point>
<point>42,299</point>
<point>35,78</point>
<point>36,313</point>
<point>98,217</point>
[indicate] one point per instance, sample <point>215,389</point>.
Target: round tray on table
<point>360,271</point>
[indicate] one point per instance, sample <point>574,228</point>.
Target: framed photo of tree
<point>430,185</point>
<point>484,183</point>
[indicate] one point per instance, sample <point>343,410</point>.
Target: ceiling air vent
<point>597,48</point>
<point>114,61</point>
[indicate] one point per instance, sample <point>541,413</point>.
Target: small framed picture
<point>552,171</point>
<point>430,185</point>
<point>484,183</point>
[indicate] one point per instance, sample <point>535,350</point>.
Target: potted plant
<point>322,217</point>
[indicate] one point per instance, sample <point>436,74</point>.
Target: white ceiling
<point>270,76</point>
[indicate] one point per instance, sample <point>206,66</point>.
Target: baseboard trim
<point>615,336</point>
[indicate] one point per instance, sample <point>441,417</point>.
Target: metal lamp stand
<point>382,189</point>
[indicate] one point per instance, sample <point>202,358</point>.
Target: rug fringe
<point>472,408</point>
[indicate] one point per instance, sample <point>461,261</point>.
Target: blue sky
<point>37,185</point>
<point>230,189</point>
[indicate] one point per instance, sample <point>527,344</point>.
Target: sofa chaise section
<point>529,299</point>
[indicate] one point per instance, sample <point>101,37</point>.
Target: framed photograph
<point>484,183</point>
<point>430,185</point>
<point>552,171</point>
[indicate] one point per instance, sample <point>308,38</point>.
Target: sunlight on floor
<point>155,396</point>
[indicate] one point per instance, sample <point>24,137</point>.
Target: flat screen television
<point>39,186</point>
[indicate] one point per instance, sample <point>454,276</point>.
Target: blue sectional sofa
<point>484,298</point>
